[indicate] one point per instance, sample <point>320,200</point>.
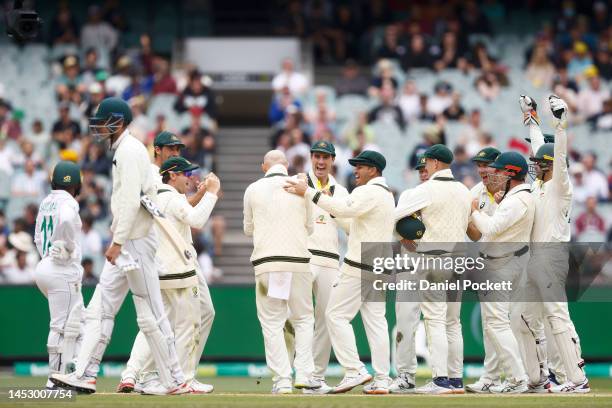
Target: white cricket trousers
<point>61,285</point>
<point>273,313</point>
<point>324,278</point>
<point>344,303</point>
<point>152,319</point>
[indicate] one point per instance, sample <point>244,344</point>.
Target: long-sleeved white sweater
<point>279,222</point>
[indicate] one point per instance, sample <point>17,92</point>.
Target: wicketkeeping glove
<point>559,110</point>
<point>529,108</point>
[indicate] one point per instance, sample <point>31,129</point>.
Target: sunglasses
<point>189,173</point>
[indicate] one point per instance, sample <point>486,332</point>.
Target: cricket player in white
<point>130,263</point>
<point>370,206</point>
<point>179,282</point>
<point>548,266</point>
<point>506,251</point>
<point>446,222</point>
<point>167,145</point>
<point>280,224</point>
<point>59,273</point>
<point>407,318</point>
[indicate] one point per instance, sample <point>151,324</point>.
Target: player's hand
<point>201,187</point>
<point>498,197</point>
<point>58,251</point>
<point>475,204</point>
<point>297,187</point>
<point>558,108</point>
<point>113,252</point>
<point>529,108</point>
<point>212,183</point>
<point>409,245</point>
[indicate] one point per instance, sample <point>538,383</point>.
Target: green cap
<point>545,152</point>
<point>439,152</point>
<point>548,138</point>
<point>166,138</point>
<point>323,147</point>
<point>112,108</point>
<point>511,162</point>
<point>420,162</point>
<point>177,165</point>
<point>66,174</point>
<point>370,158</point>
<point>410,227</point>
<point>486,155</point>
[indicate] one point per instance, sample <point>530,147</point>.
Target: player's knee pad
<point>144,316</point>
<point>72,328</point>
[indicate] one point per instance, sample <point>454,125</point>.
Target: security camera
<point>22,24</point>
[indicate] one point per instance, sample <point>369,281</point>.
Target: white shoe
<point>80,384</point>
<point>434,389</point>
<point>306,383</point>
<point>126,385</point>
<point>402,384</point>
<point>351,381</point>
<point>571,388</point>
<point>481,387</point>
<point>155,387</point>
<point>282,386</point>
<point>377,387</point>
<point>321,390</point>
<point>196,387</point>
<point>510,387</point>
<point>540,388</point>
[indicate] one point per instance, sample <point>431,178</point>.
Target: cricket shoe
<point>351,381</point>
<point>540,388</point>
<point>306,383</point>
<point>553,379</point>
<point>126,385</point>
<point>155,387</point>
<point>457,385</point>
<point>378,387</point>
<point>323,388</point>
<point>481,387</point>
<point>402,384</point>
<point>196,387</point>
<point>82,384</point>
<point>438,386</point>
<point>282,386</point>
<point>510,387</point>
<point>571,388</point>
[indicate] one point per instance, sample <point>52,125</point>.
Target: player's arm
<point>344,223</point>
<point>473,232</point>
<point>248,214</point>
<point>354,205</point>
<point>412,201</point>
<point>128,196</point>
<point>508,213</point>
<point>308,221</point>
<point>531,120</point>
<point>560,177</point>
<point>66,234</point>
<point>197,216</point>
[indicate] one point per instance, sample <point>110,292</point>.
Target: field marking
<point>296,395</point>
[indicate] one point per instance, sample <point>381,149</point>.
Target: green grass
<point>250,392</point>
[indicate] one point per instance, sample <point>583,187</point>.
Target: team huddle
<point>306,297</point>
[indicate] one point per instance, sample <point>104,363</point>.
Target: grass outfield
<point>248,392</point>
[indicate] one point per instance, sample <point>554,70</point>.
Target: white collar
<point>277,168</point>
<point>522,186</point>
<point>442,173</point>
<point>117,142</point>
<point>378,180</point>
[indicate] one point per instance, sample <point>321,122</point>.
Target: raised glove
<point>529,108</point>
<point>59,252</point>
<point>558,108</point>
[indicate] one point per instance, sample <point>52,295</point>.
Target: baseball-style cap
<point>439,152</point>
<point>420,162</point>
<point>177,164</point>
<point>66,174</point>
<point>511,162</point>
<point>486,155</point>
<point>166,138</point>
<point>323,147</point>
<point>545,152</point>
<point>410,227</point>
<point>369,158</point>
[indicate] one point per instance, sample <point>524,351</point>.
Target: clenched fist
<point>212,183</point>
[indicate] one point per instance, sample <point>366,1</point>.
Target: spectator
<point>282,105</point>
<point>95,96</point>
<point>450,55</point>
<point>540,70</point>
<point>39,139</point>
<point>9,127</point>
<point>97,159</point>
<point>590,226</point>
<point>298,148</point>
<point>140,85</point>
<point>91,241</point>
<point>211,274</point>
<point>97,32</point>
<point>455,111</point>
<point>388,111</point>
<point>6,159</point>
<point>441,99</point>
<point>392,48</point>
<point>432,135</point>
<point>603,121</point>
<point>90,68</point>
<point>197,98</point>
<point>71,77</point>
<point>30,184</point>
<point>595,181</point>
<point>322,118</point>
<point>352,81</point>
<point>65,130</point>
<point>591,99</point>
<point>20,273</point>
<point>580,191</point>
<point>418,55</point>
<point>64,28</point>
<point>385,76</point>
<point>410,101</point>
<point>603,62</point>
<point>163,81</point>
<point>347,23</point>
<point>203,155</point>
<point>116,84</point>
<point>27,153</point>
<point>355,137</point>
<point>425,115</point>
<point>488,85</point>
<point>292,21</point>
<point>288,77</point>
<point>470,135</point>
<point>463,169</point>
<point>473,21</point>
<point>580,61</point>
<point>146,56</point>
<point>89,279</point>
